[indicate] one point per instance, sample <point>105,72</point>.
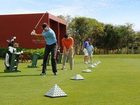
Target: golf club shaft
<point>40,20</point>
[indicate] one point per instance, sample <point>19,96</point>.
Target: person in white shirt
<point>86,57</point>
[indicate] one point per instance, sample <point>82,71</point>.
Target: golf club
<point>33,32</point>
<point>40,20</point>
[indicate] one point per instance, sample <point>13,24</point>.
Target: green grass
<point>116,81</point>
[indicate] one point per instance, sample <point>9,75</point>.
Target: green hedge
<point>32,51</point>
<point>3,52</point>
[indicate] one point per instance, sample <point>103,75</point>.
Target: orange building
<point>21,25</point>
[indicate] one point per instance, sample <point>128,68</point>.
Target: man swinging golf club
<point>50,47</point>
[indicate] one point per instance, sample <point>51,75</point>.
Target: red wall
<point>21,26</point>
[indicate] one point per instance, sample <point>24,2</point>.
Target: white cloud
<point>65,10</point>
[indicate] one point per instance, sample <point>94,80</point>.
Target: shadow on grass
<point>14,74</point>
<point>18,75</point>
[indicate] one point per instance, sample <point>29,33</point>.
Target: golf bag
<point>12,57</point>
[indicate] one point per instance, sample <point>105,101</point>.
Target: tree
<point>82,28</point>
<point>79,29</point>
<point>110,39</point>
<point>103,36</point>
<point>125,34</point>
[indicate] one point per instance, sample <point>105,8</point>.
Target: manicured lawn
<point>116,81</point>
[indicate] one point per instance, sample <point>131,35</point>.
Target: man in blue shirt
<point>50,47</point>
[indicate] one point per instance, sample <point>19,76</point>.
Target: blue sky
<point>116,12</point>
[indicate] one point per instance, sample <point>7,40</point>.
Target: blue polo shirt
<point>86,44</point>
<point>49,36</point>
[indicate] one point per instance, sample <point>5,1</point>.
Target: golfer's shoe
<point>55,73</point>
<point>43,74</point>
<point>63,68</point>
<point>86,62</point>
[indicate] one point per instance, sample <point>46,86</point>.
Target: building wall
<point>21,26</point>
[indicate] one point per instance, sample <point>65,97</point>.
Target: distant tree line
<point>106,38</point>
